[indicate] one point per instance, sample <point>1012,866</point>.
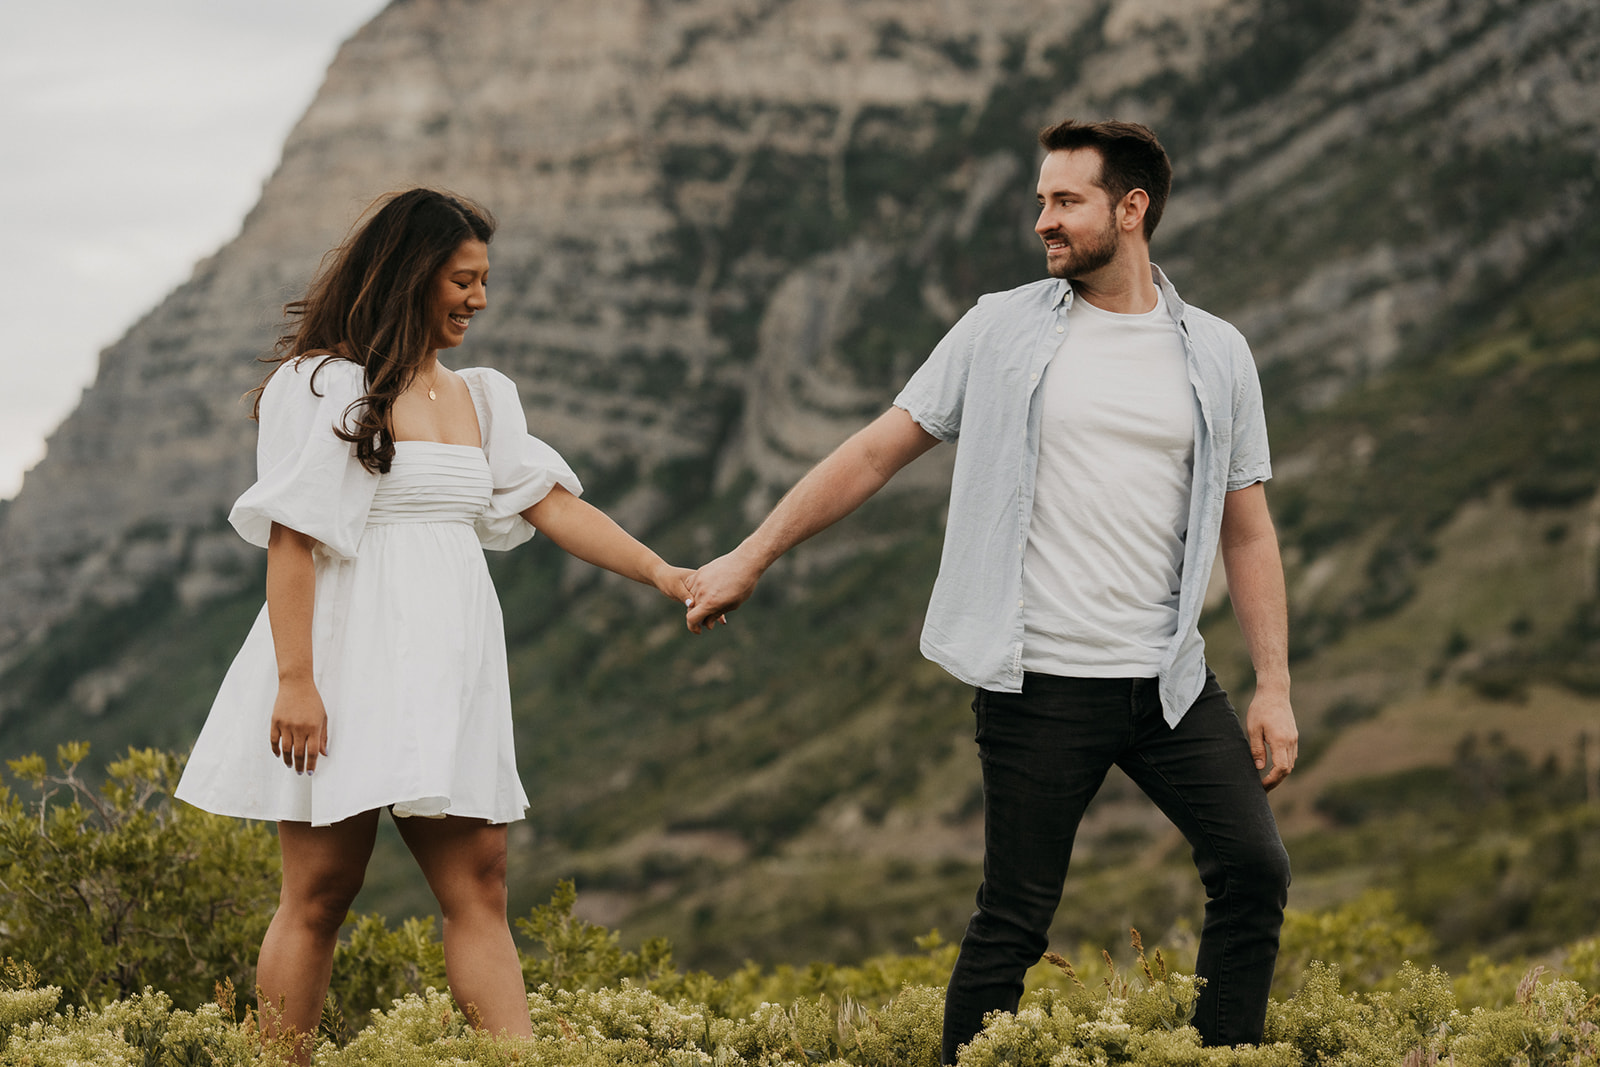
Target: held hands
<point>676,583</point>
<point>1274,738</point>
<point>673,582</point>
<point>718,588</point>
<point>299,726</point>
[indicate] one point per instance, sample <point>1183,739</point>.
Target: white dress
<point>408,648</point>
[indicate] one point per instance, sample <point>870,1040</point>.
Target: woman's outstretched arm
<point>299,721</point>
<point>590,534</point>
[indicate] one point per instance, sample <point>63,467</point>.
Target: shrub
<point>108,891</point>
<point>374,966</point>
<point>1366,940</point>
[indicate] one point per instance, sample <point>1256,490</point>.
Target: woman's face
<point>460,291</point>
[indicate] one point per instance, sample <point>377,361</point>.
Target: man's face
<point>1076,218</point>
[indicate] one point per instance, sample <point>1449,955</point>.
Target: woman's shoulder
<point>316,376</point>
<point>486,378</point>
<point>491,390</point>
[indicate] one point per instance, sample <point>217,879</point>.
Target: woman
<point>375,675</point>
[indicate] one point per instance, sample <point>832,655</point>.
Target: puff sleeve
<point>523,467</point>
<point>307,478</point>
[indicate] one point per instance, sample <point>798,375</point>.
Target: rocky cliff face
<point>730,227</point>
<point>729,230</point>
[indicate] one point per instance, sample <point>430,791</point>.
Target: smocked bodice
<point>432,482</point>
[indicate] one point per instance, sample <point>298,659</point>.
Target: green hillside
<point>802,785</point>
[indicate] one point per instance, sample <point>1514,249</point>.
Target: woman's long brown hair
<point>369,305</point>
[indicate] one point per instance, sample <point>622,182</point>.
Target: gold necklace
<point>431,394</point>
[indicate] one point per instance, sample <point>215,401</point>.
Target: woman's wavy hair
<point>369,304</point>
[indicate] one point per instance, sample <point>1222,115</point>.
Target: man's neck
<point>1125,286</point>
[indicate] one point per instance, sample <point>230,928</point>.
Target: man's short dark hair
<point>1130,158</point>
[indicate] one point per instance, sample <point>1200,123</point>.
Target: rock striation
<point>730,228</point>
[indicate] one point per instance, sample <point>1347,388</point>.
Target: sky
<point>137,135</point>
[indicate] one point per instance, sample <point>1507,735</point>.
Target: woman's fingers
<point>299,748</point>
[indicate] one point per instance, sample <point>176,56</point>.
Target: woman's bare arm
<point>590,534</point>
<point>299,720</point>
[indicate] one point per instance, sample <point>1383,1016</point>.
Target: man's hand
<point>1274,738</point>
<point>720,587</point>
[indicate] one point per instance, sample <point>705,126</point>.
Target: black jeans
<point>1045,752</point>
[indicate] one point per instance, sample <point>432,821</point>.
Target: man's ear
<point>1130,212</point>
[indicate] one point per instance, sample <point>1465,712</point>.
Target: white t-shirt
<point>1104,560</point>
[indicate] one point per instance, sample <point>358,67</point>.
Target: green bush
<point>1367,939</point>
<point>109,890</point>
<point>373,966</point>
<point>173,901</point>
<point>1140,1020</point>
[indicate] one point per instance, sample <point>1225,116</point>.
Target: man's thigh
<point>1045,752</point>
<point>1202,775</point>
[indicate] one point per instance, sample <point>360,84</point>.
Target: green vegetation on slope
<point>743,791</point>
<point>595,1003</point>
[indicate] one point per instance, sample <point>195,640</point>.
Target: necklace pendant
<point>431,395</point>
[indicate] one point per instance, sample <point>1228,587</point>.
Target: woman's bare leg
<point>323,867</point>
<point>464,861</point>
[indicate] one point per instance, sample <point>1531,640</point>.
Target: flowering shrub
<point>1140,1021</point>
<point>129,905</point>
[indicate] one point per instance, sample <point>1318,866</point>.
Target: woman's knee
<point>489,881</point>
<point>322,902</point>
<point>475,887</point>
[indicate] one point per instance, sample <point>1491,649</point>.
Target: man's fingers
<point>700,617</point>
<point>1284,752</point>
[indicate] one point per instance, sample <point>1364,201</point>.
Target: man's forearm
<point>833,489</point>
<point>1260,603</point>
<point>1254,567</point>
<point>829,491</point>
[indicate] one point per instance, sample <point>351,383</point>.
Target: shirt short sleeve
<point>523,467</point>
<point>307,479</point>
<point>1250,460</point>
<point>936,393</point>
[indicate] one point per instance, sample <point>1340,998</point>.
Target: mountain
<point>729,230</point>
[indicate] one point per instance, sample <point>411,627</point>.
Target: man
<point>1111,439</point>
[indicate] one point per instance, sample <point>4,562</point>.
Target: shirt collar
<point>1065,294</point>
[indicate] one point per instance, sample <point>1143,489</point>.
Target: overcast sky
<point>137,134</point>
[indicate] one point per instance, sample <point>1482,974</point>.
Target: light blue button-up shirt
<point>981,385</point>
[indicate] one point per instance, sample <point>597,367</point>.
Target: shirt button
<point>1019,603</point>
<point>1033,377</point>
<point>1061,329</point>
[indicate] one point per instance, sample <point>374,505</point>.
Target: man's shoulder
<point>1215,335</point>
<point>1041,293</point>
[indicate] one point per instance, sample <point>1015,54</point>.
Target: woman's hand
<point>673,582</point>
<point>299,726</point>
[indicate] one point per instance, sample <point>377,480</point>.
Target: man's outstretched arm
<point>1255,586</point>
<point>833,489</point>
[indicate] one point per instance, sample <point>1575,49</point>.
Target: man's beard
<point>1084,259</point>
